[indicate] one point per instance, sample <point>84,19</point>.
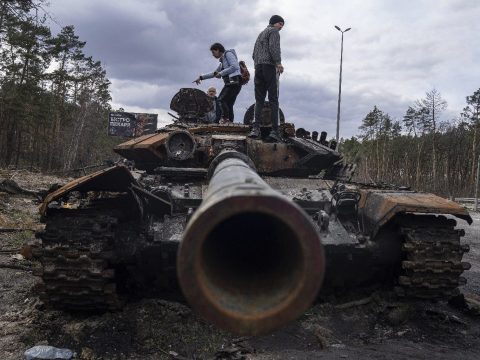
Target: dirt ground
<point>377,327</point>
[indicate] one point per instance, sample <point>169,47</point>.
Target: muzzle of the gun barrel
<point>251,261</point>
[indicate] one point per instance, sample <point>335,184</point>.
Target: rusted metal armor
<point>251,232</point>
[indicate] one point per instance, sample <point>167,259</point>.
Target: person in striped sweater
<point>268,67</point>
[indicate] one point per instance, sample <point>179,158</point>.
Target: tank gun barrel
<point>250,260</point>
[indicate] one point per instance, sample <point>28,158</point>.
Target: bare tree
<point>435,105</point>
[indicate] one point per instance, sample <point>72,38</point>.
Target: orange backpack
<point>244,73</point>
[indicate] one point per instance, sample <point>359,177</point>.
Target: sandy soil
<point>381,328</point>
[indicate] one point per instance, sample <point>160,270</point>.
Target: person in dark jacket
<point>268,67</point>
<point>229,71</point>
<point>215,115</point>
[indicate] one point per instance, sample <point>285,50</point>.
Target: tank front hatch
<point>145,149</point>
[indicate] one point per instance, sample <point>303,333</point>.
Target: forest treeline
<point>420,150</point>
<point>54,98</point>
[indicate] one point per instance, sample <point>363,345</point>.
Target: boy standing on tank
<point>229,71</point>
<point>268,67</point>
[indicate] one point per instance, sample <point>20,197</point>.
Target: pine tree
<point>471,114</point>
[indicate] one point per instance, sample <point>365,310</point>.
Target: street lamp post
<point>340,83</point>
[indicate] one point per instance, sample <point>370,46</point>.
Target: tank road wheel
<point>76,257</point>
<point>432,264</point>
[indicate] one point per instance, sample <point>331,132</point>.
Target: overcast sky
<point>395,52</point>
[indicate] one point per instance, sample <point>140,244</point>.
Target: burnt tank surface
<point>250,231</point>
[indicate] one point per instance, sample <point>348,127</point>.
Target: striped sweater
<point>267,47</point>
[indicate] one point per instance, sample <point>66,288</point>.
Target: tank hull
<point>119,233</point>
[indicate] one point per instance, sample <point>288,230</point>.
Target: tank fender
<point>115,179</point>
<point>377,207</point>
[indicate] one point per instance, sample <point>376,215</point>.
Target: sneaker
<point>255,133</point>
<point>224,121</point>
<point>275,136</point>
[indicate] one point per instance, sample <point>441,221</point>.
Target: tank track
<point>433,263</point>
<point>76,257</point>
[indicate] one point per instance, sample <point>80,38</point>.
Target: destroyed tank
<point>251,232</point>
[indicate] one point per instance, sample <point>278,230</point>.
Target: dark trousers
<point>266,81</point>
<point>227,98</point>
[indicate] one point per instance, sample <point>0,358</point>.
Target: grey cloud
<point>144,50</point>
<point>393,54</point>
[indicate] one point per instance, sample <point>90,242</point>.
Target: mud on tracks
<point>376,327</point>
